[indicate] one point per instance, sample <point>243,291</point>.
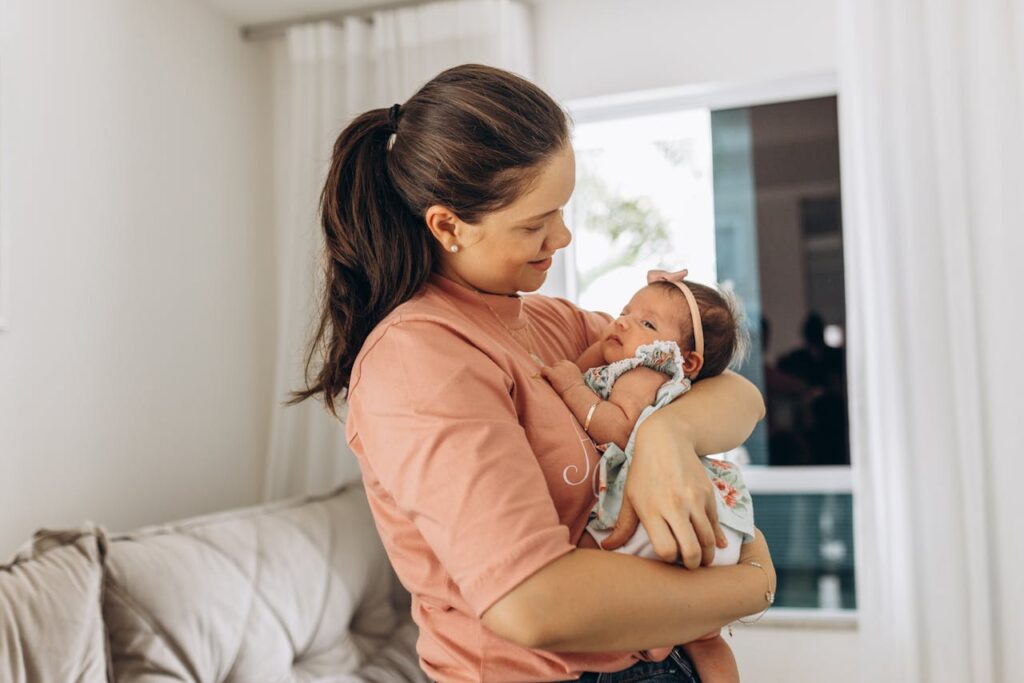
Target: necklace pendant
<point>536,359</point>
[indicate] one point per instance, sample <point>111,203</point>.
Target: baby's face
<point>653,314</point>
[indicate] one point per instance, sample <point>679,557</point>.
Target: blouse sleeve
<point>437,426</point>
<point>592,323</point>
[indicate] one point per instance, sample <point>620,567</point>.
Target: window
<point>748,197</point>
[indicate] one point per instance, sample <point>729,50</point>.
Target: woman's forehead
<point>551,189</point>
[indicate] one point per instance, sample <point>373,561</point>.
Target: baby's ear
<point>692,363</point>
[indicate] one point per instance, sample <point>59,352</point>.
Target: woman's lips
<point>541,265</point>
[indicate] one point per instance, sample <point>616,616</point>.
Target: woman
<point>436,215</point>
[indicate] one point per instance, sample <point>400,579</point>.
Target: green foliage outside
<point>632,226</point>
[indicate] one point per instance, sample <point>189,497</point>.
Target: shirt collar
<point>507,307</point>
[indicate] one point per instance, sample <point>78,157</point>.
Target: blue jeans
<point>676,668</point>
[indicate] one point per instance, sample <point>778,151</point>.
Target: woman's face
<point>510,250</point>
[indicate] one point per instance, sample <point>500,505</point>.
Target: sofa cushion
<point>294,591</point>
<point>51,624</point>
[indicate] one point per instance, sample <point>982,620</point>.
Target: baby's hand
<point>563,375</point>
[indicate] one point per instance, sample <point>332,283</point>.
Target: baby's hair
<point>726,338</point>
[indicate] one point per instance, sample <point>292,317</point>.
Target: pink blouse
<point>476,472</point>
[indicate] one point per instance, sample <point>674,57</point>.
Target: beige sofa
<point>299,590</point>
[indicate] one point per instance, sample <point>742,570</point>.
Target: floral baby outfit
<point>735,508</point>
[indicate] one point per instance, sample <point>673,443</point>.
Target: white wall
<point>590,48</point>
<point>134,183</point>
<point>586,48</point>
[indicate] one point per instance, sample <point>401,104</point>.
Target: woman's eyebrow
<point>538,216</point>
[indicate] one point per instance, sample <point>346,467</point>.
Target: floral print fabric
<point>735,508</point>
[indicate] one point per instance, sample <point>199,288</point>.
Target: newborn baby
<point>671,334</point>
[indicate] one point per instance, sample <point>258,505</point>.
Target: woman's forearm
<point>593,601</point>
<point>716,415</point>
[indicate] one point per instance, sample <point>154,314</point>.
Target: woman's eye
<point>536,229</point>
<point>649,325</point>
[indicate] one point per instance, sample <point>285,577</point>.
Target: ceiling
<point>249,12</point>
<point>246,12</point>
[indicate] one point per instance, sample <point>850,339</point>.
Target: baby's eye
<point>649,325</point>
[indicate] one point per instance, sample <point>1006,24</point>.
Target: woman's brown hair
<point>472,139</point>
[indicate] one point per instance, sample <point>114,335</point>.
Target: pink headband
<point>677,278</point>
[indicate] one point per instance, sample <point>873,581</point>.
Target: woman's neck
<point>452,276</point>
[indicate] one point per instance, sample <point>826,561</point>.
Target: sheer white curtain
<point>932,114</point>
<point>324,75</point>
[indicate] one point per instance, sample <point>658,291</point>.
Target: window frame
<point>761,479</point>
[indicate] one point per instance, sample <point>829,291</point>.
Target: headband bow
<point>677,278</point>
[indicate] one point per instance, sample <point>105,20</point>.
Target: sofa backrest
<point>295,591</point>
<point>51,624</point>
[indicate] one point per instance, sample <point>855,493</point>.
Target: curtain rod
<point>276,29</point>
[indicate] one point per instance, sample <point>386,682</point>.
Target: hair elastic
<point>393,124</point>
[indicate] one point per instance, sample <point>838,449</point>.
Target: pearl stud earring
<point>454,248</point>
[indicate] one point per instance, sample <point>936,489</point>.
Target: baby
<point>671,333</point>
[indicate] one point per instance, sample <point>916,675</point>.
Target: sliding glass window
<point>748,198</point>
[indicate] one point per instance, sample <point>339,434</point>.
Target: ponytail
<point>376,253</point>
<point>472,139</point>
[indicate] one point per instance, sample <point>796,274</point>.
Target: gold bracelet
<point>769,595</point>
<point>590,415</point>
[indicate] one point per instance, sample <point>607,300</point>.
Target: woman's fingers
<point>706,537</point>
<point>712,511</point>
<point>625,527</point>
<point>669,542</point>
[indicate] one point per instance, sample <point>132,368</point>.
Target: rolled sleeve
<point>438,428</point>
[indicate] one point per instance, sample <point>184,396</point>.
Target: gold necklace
<point>512,333</point>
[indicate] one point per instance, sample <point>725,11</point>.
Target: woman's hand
<point>562,376</point>
<point>669,492</point>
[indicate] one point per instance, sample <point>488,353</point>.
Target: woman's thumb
<point>625,527</point>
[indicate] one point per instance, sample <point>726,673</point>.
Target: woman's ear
<point>442,223</point>
<point>692,363</point>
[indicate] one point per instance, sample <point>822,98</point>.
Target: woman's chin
<point>532,282</point>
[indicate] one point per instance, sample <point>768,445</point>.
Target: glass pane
<point>658,214</point>
<point>811,539</point>
<point>736,240</point>
<point>778,215</point>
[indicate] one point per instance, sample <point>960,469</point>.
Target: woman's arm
<point>667,489</point>
<point>716,415</point>
<point>591,600</point>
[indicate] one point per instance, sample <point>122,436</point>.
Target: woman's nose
<point>622,322</point>
<point>560,236</point>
